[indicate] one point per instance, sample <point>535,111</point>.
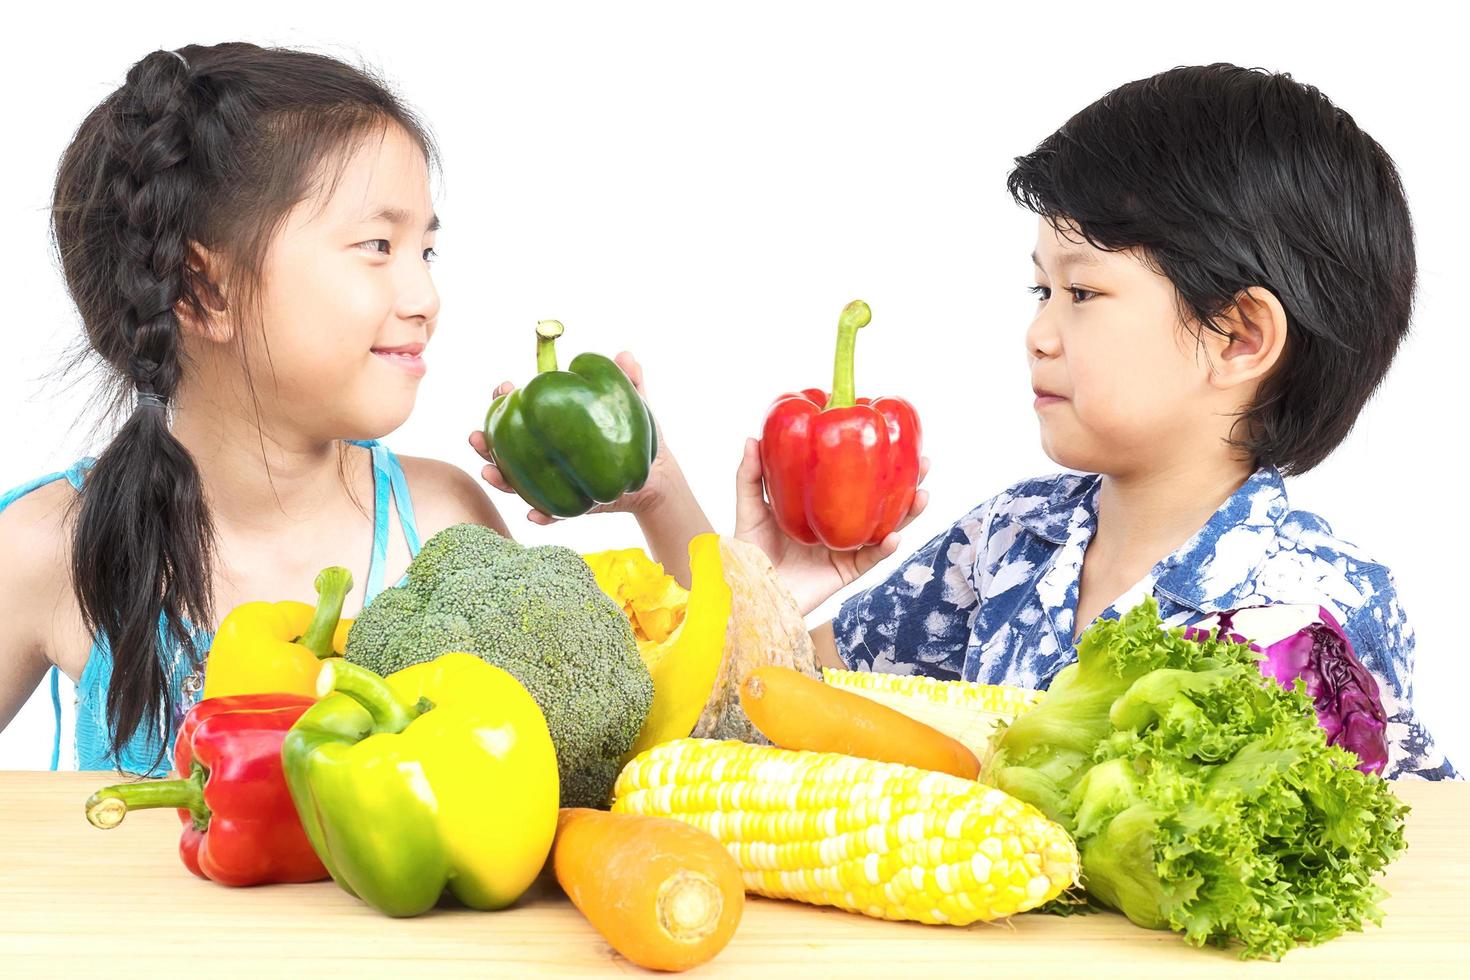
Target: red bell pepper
<point>841,470</point>
<point>240,825</point>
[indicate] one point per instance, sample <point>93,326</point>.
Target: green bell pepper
<point>572,439</point>
<point>441,774</point>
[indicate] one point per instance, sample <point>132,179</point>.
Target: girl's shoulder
<point>444,495</point>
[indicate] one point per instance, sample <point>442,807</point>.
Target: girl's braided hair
<point>209,146</point>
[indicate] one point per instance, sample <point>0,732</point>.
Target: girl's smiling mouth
<point>406,357</point>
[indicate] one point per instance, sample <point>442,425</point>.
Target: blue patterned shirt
<point>993,598</point>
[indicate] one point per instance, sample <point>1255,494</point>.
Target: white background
<point>708,185</point>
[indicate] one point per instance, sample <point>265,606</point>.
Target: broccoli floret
<point>537,613</point>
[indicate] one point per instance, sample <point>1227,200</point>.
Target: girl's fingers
<point>504,388</point>
<point>496,479</point>
<point>477,443</point>
<point>539,517</point>
<point>633,370</point>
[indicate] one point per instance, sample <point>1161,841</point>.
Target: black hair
<point>209,146</point>
<point>1225,178</point>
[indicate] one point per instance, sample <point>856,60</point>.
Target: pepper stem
<point>855,316</point>
<point>107,807</point>
<point>368,689</point>
<point>546,333</point>
<point>332,586</point>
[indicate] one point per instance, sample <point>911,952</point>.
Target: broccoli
<point>537,613</point>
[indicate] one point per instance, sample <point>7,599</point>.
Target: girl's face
<point>349,302</point>
<point>1121,386</point>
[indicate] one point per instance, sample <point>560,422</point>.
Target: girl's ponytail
<point>141,554</point>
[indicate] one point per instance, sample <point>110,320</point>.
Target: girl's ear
<point>1257,327</point>
<point>205,269</point>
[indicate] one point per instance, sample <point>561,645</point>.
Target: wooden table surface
<point>118,903</point>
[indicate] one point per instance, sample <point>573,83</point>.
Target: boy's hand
<point>634,503</point>
<point>812,572</point>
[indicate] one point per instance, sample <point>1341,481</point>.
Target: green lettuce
<point>1204,798</point>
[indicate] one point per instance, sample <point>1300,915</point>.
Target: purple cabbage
<point>1307,642</point>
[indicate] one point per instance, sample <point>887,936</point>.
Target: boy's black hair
<point>1226,178</point>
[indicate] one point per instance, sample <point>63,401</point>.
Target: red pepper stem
<point>855,316</point>
<point>107,807</point>
<point>368,689</point>
<point>546,333</point>
<point>332,586</point>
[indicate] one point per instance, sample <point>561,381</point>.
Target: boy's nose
<point>1041,339</point>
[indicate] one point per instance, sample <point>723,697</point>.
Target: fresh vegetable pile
<point>1203,797</point>
<point>486,713</point>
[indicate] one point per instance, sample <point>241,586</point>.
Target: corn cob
<point>886,840</point>
<point>968,713</point>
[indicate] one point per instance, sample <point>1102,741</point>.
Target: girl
<point>1224,270</point>
<point>247,234</point>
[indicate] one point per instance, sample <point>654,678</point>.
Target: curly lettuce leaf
<point>1204,798</point>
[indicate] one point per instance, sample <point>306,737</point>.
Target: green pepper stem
<point>368,689</point>
<point>332,586</point>
<point>855,316</point>
<point>107,807</point>
<point>546,333</point>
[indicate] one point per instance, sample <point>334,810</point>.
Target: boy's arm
<point>826,644</point>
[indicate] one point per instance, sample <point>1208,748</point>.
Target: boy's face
<point>1121,387</point>
<point>349,302</point>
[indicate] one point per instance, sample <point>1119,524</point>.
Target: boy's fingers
<point>873,554</point>
<point>921,500</point>
<point>923,468</point>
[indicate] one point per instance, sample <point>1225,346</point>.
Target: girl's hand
<point>812,573</point>
<point>660,475</point>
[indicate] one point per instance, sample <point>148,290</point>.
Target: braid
<point>144,539</point>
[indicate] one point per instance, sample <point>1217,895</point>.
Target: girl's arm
<point>23,583</point>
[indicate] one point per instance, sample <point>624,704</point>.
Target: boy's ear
<point>204,269</point>
<point>1257,326</point>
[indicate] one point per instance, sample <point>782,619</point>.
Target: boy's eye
<point>1079,295</point>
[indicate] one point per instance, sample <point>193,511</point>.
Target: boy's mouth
<point>1044,397</point>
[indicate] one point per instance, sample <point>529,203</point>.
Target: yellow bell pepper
<point>265,647</point>
<point>440,775</point>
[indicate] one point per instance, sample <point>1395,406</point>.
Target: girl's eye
<point>428,252</point>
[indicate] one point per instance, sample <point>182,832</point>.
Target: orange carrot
<point>665,894</point>
<point>797,712</point>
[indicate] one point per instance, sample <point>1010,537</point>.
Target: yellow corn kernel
<point>968,713</point>
<point>879,838</point>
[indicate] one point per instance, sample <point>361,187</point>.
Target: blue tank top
<point>93,744</point>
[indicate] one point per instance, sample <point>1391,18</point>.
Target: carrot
<point>665,894</point>
<point>797,712</point>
